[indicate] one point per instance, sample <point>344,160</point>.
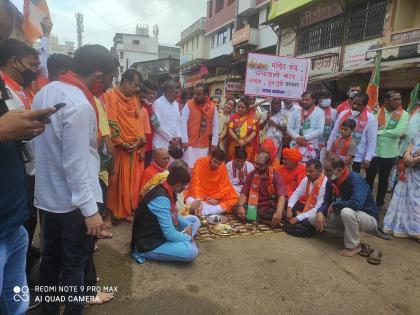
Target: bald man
<point>263,195</point>
<point>159,164</point>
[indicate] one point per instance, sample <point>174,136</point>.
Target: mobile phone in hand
<point>57,108</point>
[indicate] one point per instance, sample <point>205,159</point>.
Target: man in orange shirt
<point>159,164</point>
<point>210,185</point>
<point>292,170</point>
<point>199,123</point>
<point>129,124</point>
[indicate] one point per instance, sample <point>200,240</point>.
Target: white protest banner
<point>276,76</point>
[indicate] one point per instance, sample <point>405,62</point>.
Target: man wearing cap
<point>292,171</point>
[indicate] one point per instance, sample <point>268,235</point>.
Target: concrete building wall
<point>217,19</point>
<point>195,48</point>
<point>266,36</point>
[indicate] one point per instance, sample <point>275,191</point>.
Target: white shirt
<point>67,160</point>
<point>235,180</point>
<point>170,122</point>
<point>15,103</point>
<point>290,111</point>
<point>365,149</point>
<point>327,129</point>
<point>301,191</point>
<point>312,134</point>
<point>184,125</point>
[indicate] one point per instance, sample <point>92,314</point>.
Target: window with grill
<point>322,35</point>
<point>367,20</point>
<point>136,42</point>
<point>219,5</point>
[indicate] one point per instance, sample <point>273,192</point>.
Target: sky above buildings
<point>104,18</point>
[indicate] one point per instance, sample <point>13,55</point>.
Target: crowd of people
<point>81,153</point>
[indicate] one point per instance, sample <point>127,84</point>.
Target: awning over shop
<point>279,7</point>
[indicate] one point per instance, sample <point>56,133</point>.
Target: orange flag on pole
<point>373,88</point>
<point>34,12</point>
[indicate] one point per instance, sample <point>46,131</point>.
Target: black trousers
<point>382,167</point>
<point>66,248</point>
<point>30,226</point>
<point>357,166</point>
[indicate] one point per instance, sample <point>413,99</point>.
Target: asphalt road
<point>275,274</point>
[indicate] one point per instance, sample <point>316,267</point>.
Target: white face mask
<point>355,113</point>
<point>333,177</point>
<point>325,102</point>
<point>353,94</point>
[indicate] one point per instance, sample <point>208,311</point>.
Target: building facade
<point>137,47</point>
<point>342,38</point>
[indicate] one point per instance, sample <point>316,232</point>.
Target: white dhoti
<point>191,155</point>
<point>207,209</point>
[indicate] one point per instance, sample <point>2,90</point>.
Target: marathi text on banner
<point>276,76</point>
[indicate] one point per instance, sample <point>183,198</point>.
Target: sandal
<point>375,257</point>
<point>364,250</point>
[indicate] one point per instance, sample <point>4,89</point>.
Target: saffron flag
<point>413,98</point>
<point>373,88</point>
<point>34,12</point>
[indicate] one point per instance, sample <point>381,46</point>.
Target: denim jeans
<point>174,251</point>
<point>64,256</point>
<point>14,297</point>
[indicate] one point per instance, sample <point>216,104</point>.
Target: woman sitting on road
<point>159,233</point>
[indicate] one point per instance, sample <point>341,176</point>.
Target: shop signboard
<point>276,76</point>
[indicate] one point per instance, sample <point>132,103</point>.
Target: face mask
<point>355,113</point>
<point>325,102</point>
<point>334,177</point>
<point>97,89</point>
<point>288,106</point>
<point>28,76</point>
<point>353,94</point>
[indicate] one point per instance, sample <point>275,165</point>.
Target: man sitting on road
<point>159,164</point>
<point>211,185</point>
<point>292,171</point>
<point>239,168</point>
<point>348,206</point>
<point>263,195</point>
<point>309,195</point>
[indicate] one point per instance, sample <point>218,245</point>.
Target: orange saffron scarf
<point>393,122</point>
<point>341,146</point>
<point>254,193</point>
<point>313,195</point>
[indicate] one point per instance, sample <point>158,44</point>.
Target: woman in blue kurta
<point>159,233</point>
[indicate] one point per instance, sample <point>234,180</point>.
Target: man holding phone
<point>67,188</point>
<point>14,204</point>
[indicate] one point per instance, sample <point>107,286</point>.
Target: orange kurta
<point>149,172</point>
<point>207,183</point>
<point>292,178</point>
<point>128,122</point>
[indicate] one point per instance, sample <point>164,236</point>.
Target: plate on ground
<point>216,219</point>
<point>223,229</point>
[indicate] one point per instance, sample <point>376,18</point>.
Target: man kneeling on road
<point>263,195</point>
<point>309,195</point>
<point>348,207</point>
